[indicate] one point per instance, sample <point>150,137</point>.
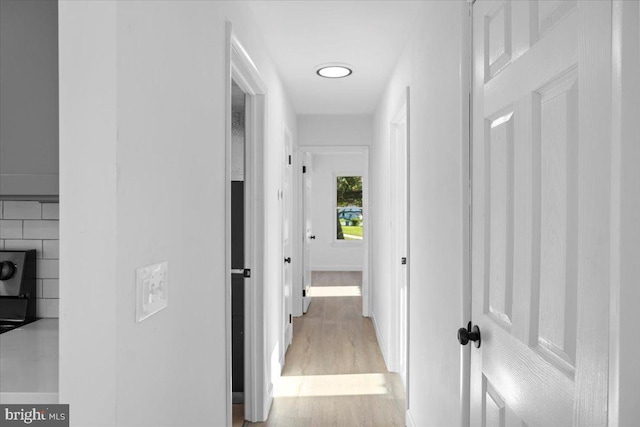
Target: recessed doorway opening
<point>244,238</point>
<point>335,231</point>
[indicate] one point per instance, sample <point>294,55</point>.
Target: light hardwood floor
<point>334,373</point>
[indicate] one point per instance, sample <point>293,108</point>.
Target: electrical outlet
<point>152,289</point>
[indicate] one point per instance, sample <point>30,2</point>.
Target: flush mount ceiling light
<point>333,71</point>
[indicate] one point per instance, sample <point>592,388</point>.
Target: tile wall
<point>34,225</point>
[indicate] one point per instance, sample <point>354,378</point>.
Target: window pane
<point>349,223</point>
<point>349,189</point>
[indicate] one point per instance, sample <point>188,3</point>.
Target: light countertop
<point>29,363</point>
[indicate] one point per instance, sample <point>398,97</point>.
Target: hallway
<point>334,373</point>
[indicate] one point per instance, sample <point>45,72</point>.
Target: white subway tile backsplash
<point>41,230</point>
<point>47,308</point>
<point>35,225</point>
<point>50,211</point>
<point>22,210</point>
<point>51,249</point>
<point>24,245</point>
<point>47,269</point>
<point>10,229</point>
<point>50,288</point>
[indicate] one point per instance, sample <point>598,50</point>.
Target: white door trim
<point>624,374</point>
<point>242,70</point>
<point>363,149</point>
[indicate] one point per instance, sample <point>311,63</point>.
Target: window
<point>349,212</point>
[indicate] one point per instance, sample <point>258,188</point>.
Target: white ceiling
<point>369,35</point>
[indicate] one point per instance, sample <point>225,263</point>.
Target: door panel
<point>399,245</point>
<point>527,97</point>
<point>499,238</point>
<point>558,122</point>
<point>287,244</point>
<point>308,230</point>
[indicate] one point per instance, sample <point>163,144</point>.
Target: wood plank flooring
<point>334,373</point>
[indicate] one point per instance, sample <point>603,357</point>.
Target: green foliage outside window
<point>349,211</point>
<point>349,191</point>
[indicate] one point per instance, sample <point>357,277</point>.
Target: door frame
<point>359,149</point>
<point>241,69</point>
<point>399,134</point>
<point>624,373</point>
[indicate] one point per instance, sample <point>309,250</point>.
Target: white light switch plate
<point>152,289</point>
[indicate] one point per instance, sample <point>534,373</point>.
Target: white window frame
<point>334,207</point>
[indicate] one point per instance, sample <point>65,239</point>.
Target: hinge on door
<point>304,169</point>
<point>304,293</point>
<point>289,318</point>
<point>289,158</point>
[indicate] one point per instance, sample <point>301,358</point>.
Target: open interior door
<point>399,228</point>
<point>308,236</point>
<point>287,244</point>
<point>539,251</point>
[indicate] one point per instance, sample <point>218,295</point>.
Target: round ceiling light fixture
<point>333,71</point>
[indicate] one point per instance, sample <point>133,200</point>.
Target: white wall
<point>88,214</point>
<point>327,129</point>
<point>431,66</point>
<point>326,253</point>
<point>143,180</point>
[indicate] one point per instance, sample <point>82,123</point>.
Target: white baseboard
<point>288,335</point>
<point>381,343</point>
<point>282,362</point>
<point>336,268</point>
<point>409,420</point>
<point>268,402</point>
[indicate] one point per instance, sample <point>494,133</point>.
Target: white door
<point>287,244</point>
<point>399,248</point>
<point>538,70</point>
<point>308,236</point>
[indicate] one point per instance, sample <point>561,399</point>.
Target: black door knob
<point>469,334</point>
<point>7,270</point>
<point>288,260</point>
<point>312,237</point>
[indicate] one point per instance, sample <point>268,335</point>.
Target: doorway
<point>244,236</point>
<point>335,231</point>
